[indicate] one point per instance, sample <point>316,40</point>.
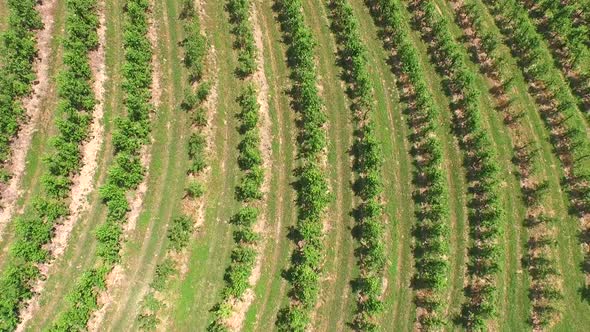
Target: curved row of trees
<point>182,226</point>
<point>568,43</point>
<point>486,212</point>
<point>248,191</point>
<point>563,119</point>
<point>431,195</point>
<point>367,164</point>
<point>125,173</point>
<point>545,290</point>
<point>311,186</point>
<point>486,43</point>
<point>34,229</point>
<point>18,48</point>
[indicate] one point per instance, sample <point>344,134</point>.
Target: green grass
<point>3,15</point>
<point>204,280</point>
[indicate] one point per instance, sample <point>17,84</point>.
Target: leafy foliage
<point>312,190</point>
<point>486,213</point>
<point>564,119</point>
<point>18,51</point>
<point>126,171</point>
<point>34,229</point>
<point>367,163</point>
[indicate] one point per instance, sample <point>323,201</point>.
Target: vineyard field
<point>294,165</point>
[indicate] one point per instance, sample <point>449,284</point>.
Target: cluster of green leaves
<point>179,232</point>
<point>18,51</point>
<point>312,190</point>
<point>182,227</point>
<point>248,191</point>
<point>147,319</point>
<point>194,43</point>
<point>568,133</point>
<point>431,196</point>
<point>486,212</point>
<point>126,172</point>
<point>239,11</point>
<point>33,230</point>
<point>367,164</point>
<point>558,25</point>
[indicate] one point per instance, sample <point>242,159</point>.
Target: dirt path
<point>20,147</point>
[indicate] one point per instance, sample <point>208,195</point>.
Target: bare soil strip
<point>20,147</point>
<point>83,182</point>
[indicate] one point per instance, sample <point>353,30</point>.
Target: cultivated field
<point>295,165</point>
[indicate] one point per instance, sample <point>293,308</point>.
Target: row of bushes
<point>18,52</point>
<point>545,290</point>
<point>34,229</point>
<point>248,191</point>
<point>431,195</point>
<point>367,163</point>
<point>562,118</point>
<point>557,24</point>
<point>126,172</point>
<point>490,40</point>
<point>311,186</point>
<point>182,226</point>
<point>486,212</point>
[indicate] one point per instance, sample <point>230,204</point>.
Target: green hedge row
<point>431,233</point>
<point>555,21</point>
<point>248,190</point>
<point>311,187</point>
<point>239,12</point>
<point>367,164</point>
<point>569,136</point>
<point>34,229</point>
<point>125,173</point>
<point>486,212</point>
<point>18,48</point>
